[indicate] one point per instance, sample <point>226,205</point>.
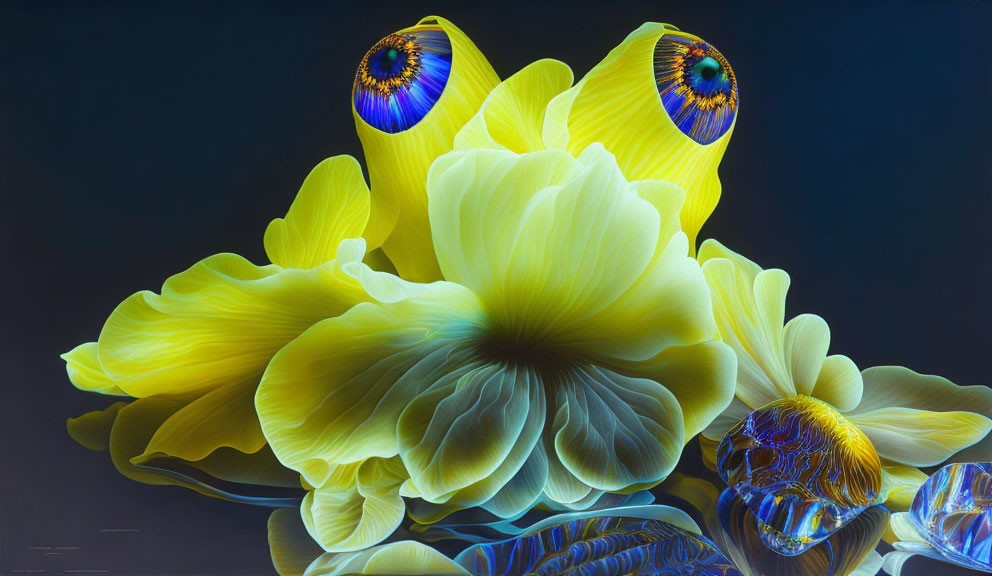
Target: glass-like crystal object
<point>953,512</point>
<point>803,470</point>
<point>838,555</point>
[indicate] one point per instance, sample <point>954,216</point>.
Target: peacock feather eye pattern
<point>401,78</point>
<point>697,86</point>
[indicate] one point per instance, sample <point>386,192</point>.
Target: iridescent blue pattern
<point>697,86</point>
<point>801,468</point>
<point>402,77</point>
<point>953,512</point>
<point>601,546</point>
<point>838,555</point>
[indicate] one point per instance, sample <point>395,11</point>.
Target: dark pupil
<point>708,68</point>
<point>388,58</point>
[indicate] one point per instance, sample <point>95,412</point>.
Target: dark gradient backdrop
<point>136,139</point>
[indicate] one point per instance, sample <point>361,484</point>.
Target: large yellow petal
<point>332,205</point>
<point>512,116</point>
<point>219,322</point>
<point>618,104</point>
<point>86,373</point>
<point>701,377</point>
<point>891,386</point>
<point>469,428</point>
<point>920,437</point>
<point>358,506</point>
<point>564,252</point>
<point>613,432</point>
<point>750,323</point>
<point>839,383</point>
<point>398,163</point>
<point>334,395</point>
<point>223,417</point>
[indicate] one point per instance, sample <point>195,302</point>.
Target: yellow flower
<point>568,353</point>
<point>195,353</point>
<point>912,420</point>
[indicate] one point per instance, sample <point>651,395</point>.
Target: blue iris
<point>696,85</point>
<point>708,77</point>
<point>387,63</point>
<point>398,84</point>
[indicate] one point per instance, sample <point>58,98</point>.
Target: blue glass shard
<point>953,512</point>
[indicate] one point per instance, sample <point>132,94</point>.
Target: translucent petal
<point>125,430</point>
<point>512,116</point>
<point>358,506</point>
<point>563,250</point>
<point>334,394</point>
<point>219,322</point>
<point>464,430</point>
<point>332,205</point>
<point>839,383</point>
<point>773,361</point>
<point>891,386</point>
<point>921,437</point>
<point>899,486</point>
<point>701,377</point>
<point>92,429</point>
<point>86,373</point>
<point>613,431</point>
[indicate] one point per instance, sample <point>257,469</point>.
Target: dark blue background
<point>136,139</point>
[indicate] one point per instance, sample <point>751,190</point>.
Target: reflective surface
<point>953,512</point>
<point>838,555</point>
<point>602,546</point>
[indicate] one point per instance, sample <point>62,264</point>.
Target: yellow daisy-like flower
<point>568,353</point>
<point>912,420</point>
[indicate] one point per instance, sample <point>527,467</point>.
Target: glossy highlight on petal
<point>953,512</point>
<point>802,468</point>
<point>401,78</point>
<point>697,86</point>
